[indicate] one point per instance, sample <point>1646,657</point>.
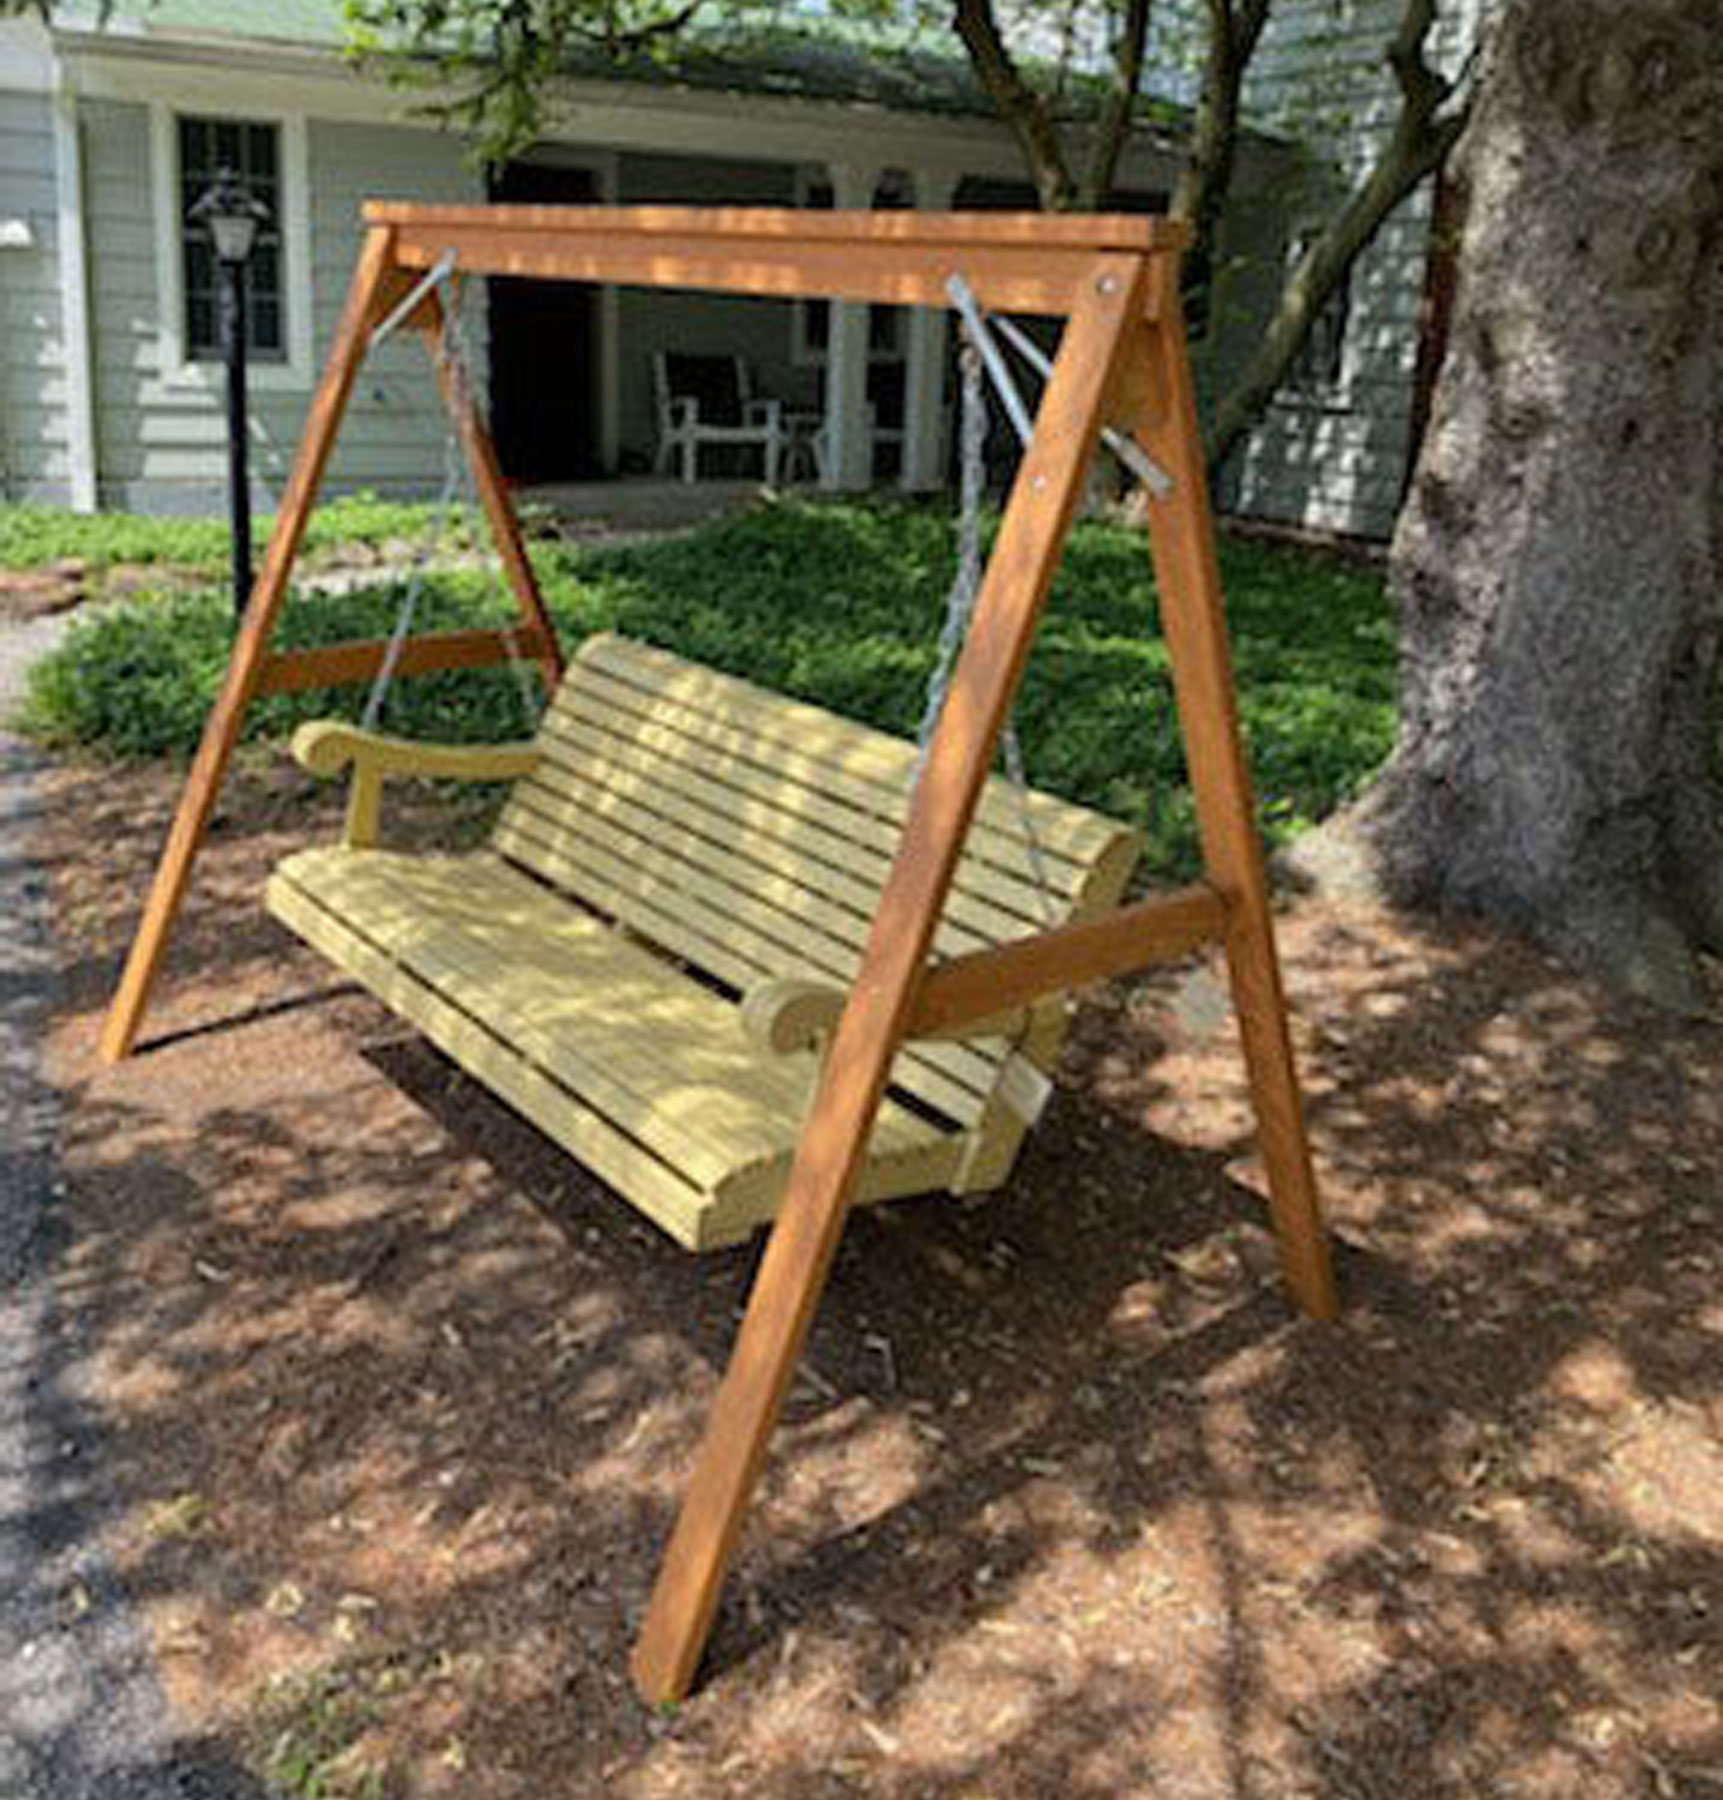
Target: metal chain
<point>960,605</point>
<point>457,495</point>
<point>456,350</point>
<point>966,583</point>
<point>408,608</point>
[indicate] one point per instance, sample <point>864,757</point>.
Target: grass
<point>34,536</point>
<point>841,605</point>
<point>308,1737</point>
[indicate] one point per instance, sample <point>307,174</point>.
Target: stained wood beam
<point>453,382</point>
<point>986,983</point>
<point>359,659</point>
<point>1158,406</point>
<point>898,258</point>
<point>1044,499</point>
<point>377,285</point>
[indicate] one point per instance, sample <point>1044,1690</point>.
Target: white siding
<point>34,462</point>
<point>162,433</point>
<point>1333,456</point>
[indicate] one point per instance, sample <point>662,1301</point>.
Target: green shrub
<point>840,605</point>
<point>138,680</point>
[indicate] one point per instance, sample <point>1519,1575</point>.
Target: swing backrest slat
<point>749,836</point>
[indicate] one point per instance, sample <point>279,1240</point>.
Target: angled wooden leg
<point>374,282</point>
<point>805,1237</point>
<point>1161,412</point>
<point>493,490</point>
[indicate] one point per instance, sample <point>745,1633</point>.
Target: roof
<point>830,60</point>
<point>319,24</point>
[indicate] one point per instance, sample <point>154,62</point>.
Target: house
<point>110,389</point>
<point>1334,452</point>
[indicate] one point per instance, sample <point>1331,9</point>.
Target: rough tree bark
<point>1558,567</point>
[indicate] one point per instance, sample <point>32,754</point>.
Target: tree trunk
<point>1558,568</point>
<point>1204,186</point>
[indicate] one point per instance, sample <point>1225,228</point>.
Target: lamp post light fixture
<point>232,216</point>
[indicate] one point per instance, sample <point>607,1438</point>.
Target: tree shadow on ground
<point>1066,1502</point>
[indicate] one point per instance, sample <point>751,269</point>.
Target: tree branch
<point>1113,124</point>
<point>1205,181</point>
<point>1422,139</point>
<point>1019,105</point>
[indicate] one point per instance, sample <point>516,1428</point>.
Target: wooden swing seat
<point>645,957</point>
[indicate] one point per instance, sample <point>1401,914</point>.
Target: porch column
<point>849,439</point>
<point>73,253</point>
<point>924,363</point>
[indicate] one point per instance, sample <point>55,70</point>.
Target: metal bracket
<point>981,329</point>
<point>435,276</point>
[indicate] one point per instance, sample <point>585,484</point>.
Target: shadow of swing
<point>258,1014</point>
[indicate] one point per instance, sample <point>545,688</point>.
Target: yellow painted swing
<point>744,958</point>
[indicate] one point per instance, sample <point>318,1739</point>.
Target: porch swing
<point>696,948</point>
<point>649,953</point>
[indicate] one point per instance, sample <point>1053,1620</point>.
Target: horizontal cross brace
<point>898,258</point>
<point>957,995</point>
<point>358,659</point>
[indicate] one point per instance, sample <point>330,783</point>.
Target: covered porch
<point>591,383</point>
<point>863,392</point>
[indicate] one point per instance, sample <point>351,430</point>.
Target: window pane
<point>201,328</point>
<point>265,321</point>
<point>253,151</point>
<point>199,264</point>
<point>194,145</point>
<point>260,152</point>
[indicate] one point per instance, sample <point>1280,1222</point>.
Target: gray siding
<point>161,438</point>
<point>1332,455</point>
<point>393,437</point>
<point>34,462</point>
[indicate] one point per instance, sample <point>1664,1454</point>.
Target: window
<point>253,152</point>
<point>1320,364</point>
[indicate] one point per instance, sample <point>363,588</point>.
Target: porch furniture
<point>883,419</point>
<point>704,400</point>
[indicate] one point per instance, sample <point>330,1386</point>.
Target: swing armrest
<point>792,1014</point>
<point>327,746</point>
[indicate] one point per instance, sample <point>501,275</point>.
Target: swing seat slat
<point>680,841</point>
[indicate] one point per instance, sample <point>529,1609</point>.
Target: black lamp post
<point>232,216</point>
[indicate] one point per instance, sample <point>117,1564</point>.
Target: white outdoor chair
<point>883,417</point>
<point>709,400</point>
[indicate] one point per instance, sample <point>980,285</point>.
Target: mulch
<point>39,593</point>
<point>1068,1502</point>
<point>58,587</point>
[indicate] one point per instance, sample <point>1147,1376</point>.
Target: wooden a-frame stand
<point>1122,363</point>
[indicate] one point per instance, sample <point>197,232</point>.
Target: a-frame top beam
<point>1014,262</point>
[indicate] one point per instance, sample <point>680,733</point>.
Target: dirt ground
<point>1068,1503</point>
